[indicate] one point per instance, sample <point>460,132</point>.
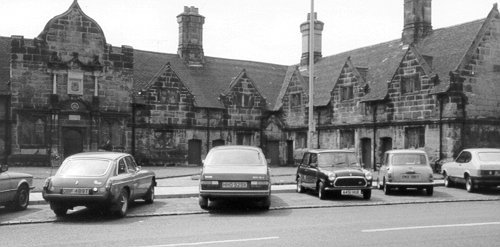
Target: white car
<point>476,167</point>
<point>15,188</point>
<point>405,168</point>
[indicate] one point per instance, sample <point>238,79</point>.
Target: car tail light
<point>209,184</point>
<point>431,177</point>
<point>259,184</point>
<point>47,184</point>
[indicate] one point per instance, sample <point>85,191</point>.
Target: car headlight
<point>331,176</point>
<point>368,175</point>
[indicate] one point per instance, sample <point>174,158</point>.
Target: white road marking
<point>434,226</point>
<point>214,242</point>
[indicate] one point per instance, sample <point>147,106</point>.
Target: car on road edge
<point>15,188</point>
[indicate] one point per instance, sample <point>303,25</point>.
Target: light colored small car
<point>478,167</point>
<point>235,172</point>
<point>15,188</point>
<point>98,180</point>
<point>405,168</point>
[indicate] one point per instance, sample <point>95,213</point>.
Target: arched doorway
<point>366,152</point>
<point>194,152</point>
<point>72,141</point>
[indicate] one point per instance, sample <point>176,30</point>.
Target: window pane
<point>84,167</point>
<point>234,157</point>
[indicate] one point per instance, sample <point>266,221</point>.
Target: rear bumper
<point>411,185</point>
<point>78,200</point>
<point>235,193</point>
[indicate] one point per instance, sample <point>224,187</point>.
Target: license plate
<point>77,191</point>
<point>410,177</point>
<point>351,192</point>
<point>234,185</point>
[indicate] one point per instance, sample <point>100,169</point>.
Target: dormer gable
<point>242,93</point>
<point>351,83</point>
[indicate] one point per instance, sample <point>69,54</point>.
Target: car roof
<point>482,149</point>
<point>330,151</point>
<point>396,151</point>
<point>100,155</point>
<point>241,147</point>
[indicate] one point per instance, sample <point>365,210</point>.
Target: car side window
<point>314,160</point>
<point>132,167</point>
<point>305,159</point>
<point>122,167</point>
<point>464,157</point>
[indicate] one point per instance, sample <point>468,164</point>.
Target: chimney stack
<point>304,29</point>
<point>417,20</point>
<point>191,37</point>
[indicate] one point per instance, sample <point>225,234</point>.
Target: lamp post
<point>311,127</point>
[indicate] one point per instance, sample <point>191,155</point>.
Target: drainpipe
<point>8,129</point>
<point>133,126</point>
<point>319,122</point>
<point>374,136</point>
<point>208,129</point>
<point>440,100</point>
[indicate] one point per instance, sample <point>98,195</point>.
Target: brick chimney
<point>304,29</point>
<point>417,20</point>
<point>191,37</point>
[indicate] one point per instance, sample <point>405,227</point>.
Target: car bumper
<point>411,184</point>
<point>78,199</point>
<point>235,193</point>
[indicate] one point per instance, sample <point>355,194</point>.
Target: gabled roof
<point>4,65</point>
<point>208,82</point>
<point>286,82</point>
<point>381,61</point>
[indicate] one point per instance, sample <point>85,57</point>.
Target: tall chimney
<point>417,20</point>
<point>304,29</point>
<point>191,37</point>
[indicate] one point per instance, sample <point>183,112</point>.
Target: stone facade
<point>69,91</point>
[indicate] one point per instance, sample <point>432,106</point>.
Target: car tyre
<point>123,201</point>
<point>447,180</point>
<point>59,210</point>
<point>387,189</point>
<point>300,188</point>
<point>367,194</point>
<point>430,191</point>
<point>321,191</point>
<point>266,203</point>
<point>203,202</point>
<point>149,198</point>
<point>469,184</point>
<point>22,198</point>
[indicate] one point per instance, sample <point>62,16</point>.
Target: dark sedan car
<point>235,172</point>
<point>335,171</point>
<point>98,180</point>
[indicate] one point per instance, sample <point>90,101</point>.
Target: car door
<point>382,171</point>
<point>311,170</point>
<point>6,187</point>
<point>305,170</point>
<point>124,177</point>
<point>460,165</point>
<point>139,181</point>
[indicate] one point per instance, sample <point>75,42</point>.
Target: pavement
<point>180,182</point>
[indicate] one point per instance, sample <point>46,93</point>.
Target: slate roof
<point>4,65</point>
<point>447,46</point>
<point>208,82</point>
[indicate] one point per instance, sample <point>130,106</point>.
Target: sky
<point>254,30</point>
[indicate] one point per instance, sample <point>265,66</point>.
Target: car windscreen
<point>234,157</point>
<point>489,156</point>
<point>337,159</point>
<point>408,159</point>
<point>84,168</point>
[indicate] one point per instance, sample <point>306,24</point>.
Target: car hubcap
<point>23,198</point>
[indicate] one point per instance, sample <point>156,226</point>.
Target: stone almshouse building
<point>68,91</point>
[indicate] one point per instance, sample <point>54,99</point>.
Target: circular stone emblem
<point>75,106</point>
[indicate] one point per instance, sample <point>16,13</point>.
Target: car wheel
<point>59,209</point>
<point>430,191</point>
<point>266,203</point>
<point>447,180</point>
<point>300,188</point>
<point>387,189</point>
<point>22,198</point>
<point>150,195</point>
<point>367,194</point>
<point>469,184</point>
<point>123,203</point>
<point>321,191</point>
<point>203,201</point>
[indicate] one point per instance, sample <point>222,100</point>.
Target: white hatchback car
<point>476,167</point>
